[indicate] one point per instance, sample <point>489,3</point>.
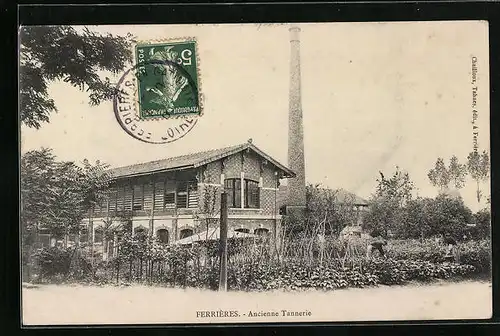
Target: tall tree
<point>457,172</point>
<point>439,176</point>
<point>52,53</point>
<point>478,166</point>
<point>386,205</point>
<point>398,187</point>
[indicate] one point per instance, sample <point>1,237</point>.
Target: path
<point>113,305</point>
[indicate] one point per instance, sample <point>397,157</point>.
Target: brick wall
<point>232,169</point>
<point>232,166</point>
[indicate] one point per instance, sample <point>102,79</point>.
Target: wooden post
<point>223,243</point>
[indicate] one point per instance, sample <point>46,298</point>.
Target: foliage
<point>441,176</point>
<point>251,268</point>
<point>478,166</point>
<point>425,217</point>
<point>50,193</point>
<point>398,187</point>
<point>386,205</point>
<point>326,213</point>
<point>384,215</point>
<point>482,219</point>
<point>51,53</point>
<point>472,252</point>
<point>60,263</point>
<point>56,194</point>
<point>457,172</point>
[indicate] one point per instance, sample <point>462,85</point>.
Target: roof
<point>193,160</point>
<point>343,197</point>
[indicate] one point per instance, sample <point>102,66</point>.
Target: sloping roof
<point>193,160</point>
<point>343,196</point>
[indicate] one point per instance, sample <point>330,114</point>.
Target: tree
<point>52,53</point>
<point>457,172</point>
<point>478,166</point>
<point>439,175</point>
<point>425,217</point>
<point>50,192</point>
<point>482,219</point>
<point>398,187</point>
<point>386,205</point>
<point>55,195</point>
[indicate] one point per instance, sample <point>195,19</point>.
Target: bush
<point>251,266</point>
<point>473,252</point>
<point>477,254</point>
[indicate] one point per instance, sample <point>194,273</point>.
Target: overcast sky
<point>374,95</point>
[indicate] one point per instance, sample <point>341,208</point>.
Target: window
<point>162,235</point>
<point>233,190</point>
<point>138,197</point>
<point>186,233</point>
<point>192,194</point>
<point>182,195</point>
<point>120,199</point>
<point>169,194</point>
<point>159,195</point>
<point>128,195</point>
<point>252,194</point>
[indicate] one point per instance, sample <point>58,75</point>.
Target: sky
<point>374,96</point>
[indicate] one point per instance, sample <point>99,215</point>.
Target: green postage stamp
<point>167,79</point>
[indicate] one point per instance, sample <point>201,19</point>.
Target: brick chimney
<point>296,197</point>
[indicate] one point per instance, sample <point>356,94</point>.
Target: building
<point>176,197</point>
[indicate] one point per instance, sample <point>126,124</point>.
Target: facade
<point>177,197</point>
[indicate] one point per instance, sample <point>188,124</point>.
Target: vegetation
<point>251,268</point>
<point>53,53</point>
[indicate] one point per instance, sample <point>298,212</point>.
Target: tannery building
<point>176,197</point>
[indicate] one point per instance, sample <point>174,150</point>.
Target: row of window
<point>171,194</point>
<point>162,234</point>
<point>167,194</point>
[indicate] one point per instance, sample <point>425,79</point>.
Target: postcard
<point>255,173</point>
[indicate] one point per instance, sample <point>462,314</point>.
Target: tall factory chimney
<point>296,198</point>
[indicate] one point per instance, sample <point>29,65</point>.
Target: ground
<point>65,304</point>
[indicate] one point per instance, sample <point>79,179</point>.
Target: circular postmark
<point>161,125</point>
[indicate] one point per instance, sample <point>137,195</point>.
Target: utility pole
<point>223,243</point>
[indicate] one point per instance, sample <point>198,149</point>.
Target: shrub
<point>473,252</point>
<point>57,263</point>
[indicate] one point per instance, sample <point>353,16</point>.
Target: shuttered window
<point>119,199</point>
<point>127,191</point>
<point>192,194</point>
<point>170,194</point>
<point>112,200</point>
<point>148,196</point>
<point>182,195</point>
<point>138,197</point>
<point>159,195</point>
